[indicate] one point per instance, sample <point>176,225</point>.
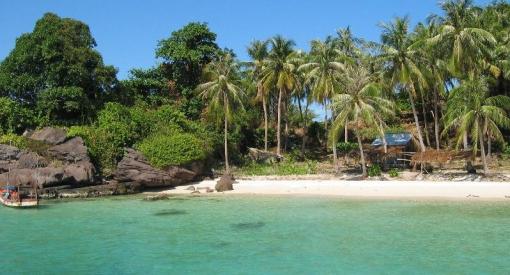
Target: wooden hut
<point>400,148</point>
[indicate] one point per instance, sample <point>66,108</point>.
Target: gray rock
<point>191,188</point>
<point>263,156</point>
<point>8,152</point>
<point>226,183</point>
<point>135,169</point>
<point>71,151</point>
<point>31,160</point>
<point>49,135</point>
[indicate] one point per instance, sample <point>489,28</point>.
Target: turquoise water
<point>256,235</point>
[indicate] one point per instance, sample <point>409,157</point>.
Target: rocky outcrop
<point>8,152</point>
<point>49,135</point>
<point>72,151</point>
<point>31,160</point>
<point>225,183</point>
<point>263,156</point>
<point>135,169</point>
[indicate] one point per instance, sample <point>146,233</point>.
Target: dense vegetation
<point>446,81</point>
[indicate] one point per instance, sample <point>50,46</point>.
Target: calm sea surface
<point>256,235</point>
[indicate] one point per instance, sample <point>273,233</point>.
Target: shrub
<point>346,147</point>
<point>14,118</point>
<point>14,140</point>
<point>176,149</point>
<point>393,173</point>
<point>374,170</point>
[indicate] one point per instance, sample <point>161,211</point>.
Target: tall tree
<point>471,111</point>
<point>362,104</point>
<point>59,52</point>
<point>222,93</point>
<point>185,53</point>
<point>324,75</point>
<point>258,52</point>
<point>279,71</point>
<point>401,58</point>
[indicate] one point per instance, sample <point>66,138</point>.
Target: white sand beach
<point>379,189</point>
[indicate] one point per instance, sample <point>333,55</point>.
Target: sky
<point>127,31</point>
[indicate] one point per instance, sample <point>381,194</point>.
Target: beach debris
<point>191,188</point>
<point>472,196</point>
<point>226,183</point>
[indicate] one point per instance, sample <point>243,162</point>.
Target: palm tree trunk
<point>265,122</point>
<point>489,145</point>
<point>227,166</point>
<point>303,125</point>
<point>346,134</point>
<point>482,149</point>
<point>278,130</point>
<point>436,118</point>
<point>416,121</point>
<point>465,141</point>
<point>333,145</point>
<point>425,122</point>
<point>326,122</point>
<point>362,155</point>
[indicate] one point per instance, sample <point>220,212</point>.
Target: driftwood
<point>263,156</point>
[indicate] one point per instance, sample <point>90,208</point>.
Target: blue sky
<point>127,31</point>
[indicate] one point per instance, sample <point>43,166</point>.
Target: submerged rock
<point>226,183</point>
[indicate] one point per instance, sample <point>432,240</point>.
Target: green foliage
<point>149,130</point>
<point>13,117</point>
<point>59,52</point>
<point>14,140</point>
<point>185,53</point>
<point>63,106</point>
<point>394,173</point>
<point>374,170</point>
<point>345,148</point>
<point>164,150</point>
<point>286,168</point>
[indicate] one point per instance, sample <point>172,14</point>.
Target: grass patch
<point>278,169</point>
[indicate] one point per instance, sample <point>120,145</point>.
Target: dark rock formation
<point>226,183</point>
<point>135,169</point>
<point>31,160</point>
<point>8,153</point>
<point>49,135</point>
<point>72,151</point>
<point>263,156</point>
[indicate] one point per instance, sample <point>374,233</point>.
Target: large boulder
<point>49,135</point>
<point>263,156</point>
<point>135,169</point>
<point>8,153</point>
<point>226,183</point>
<point>31,160</point>
<point>71,151</point>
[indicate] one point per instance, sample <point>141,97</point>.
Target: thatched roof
<point>439,156</point>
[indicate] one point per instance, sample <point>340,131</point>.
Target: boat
<point>19,197</point>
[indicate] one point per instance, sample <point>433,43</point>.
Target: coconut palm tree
<point>362,105</point>
<point>323,73</point>
<point>279,71</point>
<point>467,44</point>
<point>258,52</point>
<point>222,92</point>
<point>402,62</point>
<point>480,115</point>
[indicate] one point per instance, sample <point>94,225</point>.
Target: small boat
<point>19,197</point>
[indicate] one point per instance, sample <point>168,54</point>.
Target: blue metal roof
<point>400,139</point>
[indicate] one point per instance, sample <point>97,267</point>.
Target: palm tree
<point>324,75</point>
<point>258,52</point>
<point>279,71</point>
<point>362,104</point>
<point>467,45</point>
<point>401,58</point>
<point>479,116</point>
<point>222,92</point>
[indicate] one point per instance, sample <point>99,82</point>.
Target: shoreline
<point>391,189</point>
